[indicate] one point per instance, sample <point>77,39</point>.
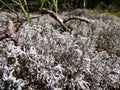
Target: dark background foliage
<point>34,5</point>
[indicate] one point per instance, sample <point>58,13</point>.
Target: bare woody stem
<point>61,21</point>
<point>56,17</point>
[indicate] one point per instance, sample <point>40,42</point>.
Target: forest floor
<point>87,57</point>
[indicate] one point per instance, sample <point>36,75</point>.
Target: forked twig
<point>62,21</point>
<point>56,17</point>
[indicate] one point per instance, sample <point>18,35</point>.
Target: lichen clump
<point>48,59</point>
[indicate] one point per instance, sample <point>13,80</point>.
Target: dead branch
<point>62,21</point>
<point>56,17</point>
<point>76,18</point>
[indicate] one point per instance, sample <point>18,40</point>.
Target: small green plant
<point>23,8</point>
<point>53,3</point>
<point>42,2</point>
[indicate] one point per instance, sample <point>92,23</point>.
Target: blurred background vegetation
<point>61,5</point>
<point>27,6</point>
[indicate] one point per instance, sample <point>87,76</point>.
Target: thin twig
<point>9,33</point>
<point>63,21</point>
<point>76,18</point>
<point>56,17</point>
